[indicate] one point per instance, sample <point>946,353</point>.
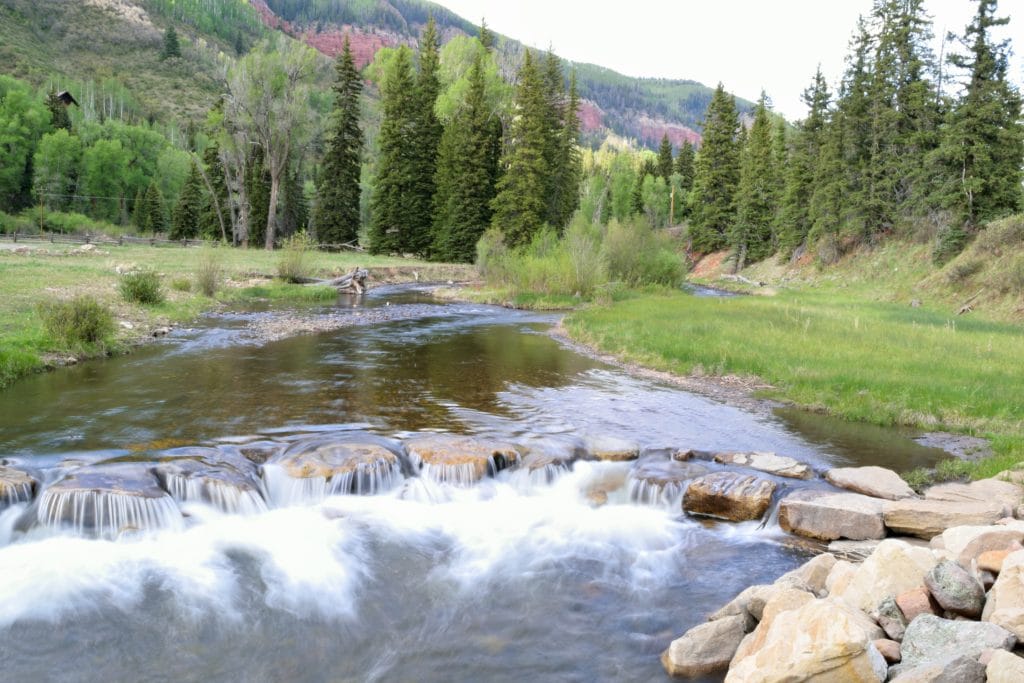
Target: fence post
<point>120,240</point>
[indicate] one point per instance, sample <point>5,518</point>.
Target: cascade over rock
<point>459,460</point>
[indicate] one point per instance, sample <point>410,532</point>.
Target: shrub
<point>80,320</point>
<point>962,270</point>
<point>637,256</point>
<point>492,255</point>
<point>999,235</point>
<point>181,284</point>
<point>1012,279</point>
<point>142,287</point>
<point>950,242</point>
<point>293,263</point>
<point>208,272</point>
<point>583,246</point>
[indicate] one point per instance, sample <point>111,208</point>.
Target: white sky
<point>746,44</point>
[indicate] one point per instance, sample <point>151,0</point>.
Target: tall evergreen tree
<point>684,166</point>
<point>154,214</point>
<point>795,213</point>
<point>390,211</point>
<point>665,161</point>
<point>571,162</point>
<point>214,219</point>
<point>58,112</point>
<point>829,199</point>
<point>257,182</point>
<point>553,80</point>
<point>520,206</point>
<point>171,48</point>
<point>139,210</point>
<point>424,143</point>
<point>337,218</point>
<point>982,139</point>
<point>716,175</point>
<point>188,211</point>
<point>854,105</point>
<point>486,36</point>
<point>750,236</point>
<point>295,209</point>
<point>467,170</point>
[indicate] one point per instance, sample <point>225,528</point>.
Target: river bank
<point>35,276</point>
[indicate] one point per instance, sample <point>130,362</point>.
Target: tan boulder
<point>998,539</point>
<point>889,649</point>
<point>811,575</point>
<point>704,649</point>
<point>1005,667</point>
<point>1005,604</point>
<point>992,560</point>
<point>750,602</point>
<point>612,448</point>
<point>894,567</point>
<point>827,515</point>
<point>779,601</point>
<point>929,518</point>
<point>771,463</point>
<point>15,486</point>
<point>823,640</point>
<point>727,495</point>
<point>1004,493</point>
<point>878,482</point>
<point>840,577</point>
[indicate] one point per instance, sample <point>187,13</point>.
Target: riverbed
<point>515,576</point>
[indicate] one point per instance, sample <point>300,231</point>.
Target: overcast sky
<point>746,44</point>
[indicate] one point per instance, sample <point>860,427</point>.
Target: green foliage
<point>59,119</point>
<point>337,218</point>
<point>171,46</point>
<point>23,121</point>
<point>423,141</point>
<point>716,176</point>
<point>185,222</point>
<point>750,236</point>
<point>637,256</point>
<point>154,213</point>
<point>82,320</point>
<point>56,164</point>
<point>208,272</point>
<point>795,212</point>
<point>214,220</point>
<point>665,162</point>
<point>293,262</point>
<point>950,242</point>
<point>142,287</point>
<point>181,284</point>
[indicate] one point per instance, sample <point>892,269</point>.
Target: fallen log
<point>354,281</point>
<point>968,305</point>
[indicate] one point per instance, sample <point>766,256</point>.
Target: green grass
<point>859,359</point>
<point>59,273</point>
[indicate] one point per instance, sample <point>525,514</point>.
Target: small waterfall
<point>15,487</point>
<point>454,474</point>
<point>107,501</point>
<point>526,479</point>
<point>223,495</point>
<point>363,479</point>
<point>659,493</point>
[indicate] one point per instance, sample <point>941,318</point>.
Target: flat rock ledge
<point>827,515</point>
<point>929,518</point>
<point>871,481</point>
<point>779,465</point>
<point>909,612</point>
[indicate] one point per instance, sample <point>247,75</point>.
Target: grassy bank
<point>874,361</point>
<point>43,275</point>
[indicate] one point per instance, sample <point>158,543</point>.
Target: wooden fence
<point>100,240</point>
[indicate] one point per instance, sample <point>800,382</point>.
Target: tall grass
<point>208,272</point>
<point>293,263</point>
<point>82,320</point>
<point>142,287</point>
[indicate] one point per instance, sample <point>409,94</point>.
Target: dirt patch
<point>710,266</point>
<point>964,447</point>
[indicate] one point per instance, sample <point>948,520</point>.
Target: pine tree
<point>188,211</point>
<point>521,203</point>
<point>554,147</point>
<point>829,199</point>
<point>139,211</point>
<point>854,104</point>
<point>467,170</point>
<point>426,137</point>
<point>390,212</point>
<point>665,162</point>
<point>486,36</point>
<point>983,139</point>
<point>58,112</point>
<point>214,221</point>
<point>571,166</point>
<point>154,214</point>
<point>795,213</point>
<point>648,167</point>
<point>684,166</point>
<point>295,211</point>
<point>257,181</point>
<point>750,237</point>
<point>172,47</point>
<point>338,206</point>
<point>716,175</point>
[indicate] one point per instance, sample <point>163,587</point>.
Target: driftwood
<point>350,282</point>
<point>968,305</point>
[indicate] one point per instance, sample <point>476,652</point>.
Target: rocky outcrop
<point>779,465</point>
<point>820,640</point>
<point>955,590</point>
<point>459,460</point>
<point>727,495</point>
<point>705,649</point>
<point>1005,604</point>
<point>877,482</point>
<point>893,568</point>
<point>828,515</point>
<point>929,518</point>
<point>930,638</point>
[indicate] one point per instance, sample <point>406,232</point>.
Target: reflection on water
<point>515,577</point>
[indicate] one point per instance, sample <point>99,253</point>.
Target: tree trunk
<point>275,182</point>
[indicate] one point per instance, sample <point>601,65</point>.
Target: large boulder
<point>1004,493</point>
<point>779,465</point>
<point>1005,668</point>
<point>955,590</point>
<point>811,576</point>
<point>705,649</point>
<point>958,539</point>
<point>1005,604</point>
<point>953,669</point>
<point>749,603</point>
<point>827,515</point>
<point>877,482</point>
<point>930,638</point>
<point>16,486</point>
<point>612,448</point>
<point>727,495</point>
<point>929,518</point>
<point>893,568</point>
<point>822,640</point>
<point>459,460</point>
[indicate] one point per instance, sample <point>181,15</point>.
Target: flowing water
<point>157,549</point>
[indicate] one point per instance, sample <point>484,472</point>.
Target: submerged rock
<point>727,495</point>
<point>459,460</point>
<point>771,463</point>
<point>223,486</point>
<point>704,649</point>
<point>871,481</point>
<point>929,518</point>
<point>308,472</point>
<point>828,516</point>
<point>106,500</point>
<point>612,448</point>
<point>16,486</point>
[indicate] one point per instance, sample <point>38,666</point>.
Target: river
<point>515,577</point>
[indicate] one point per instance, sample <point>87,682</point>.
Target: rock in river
<point>985,491</point>
<point>459,460</point>
<point>727,495</point>
<point>827,515</point>
<point>704,649</point>
<point>309,471</point>
<point>222,485</point>
<point>15,486</point>
<point>611,448</point>
<point>871,481</point>
<point>771,463</point>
